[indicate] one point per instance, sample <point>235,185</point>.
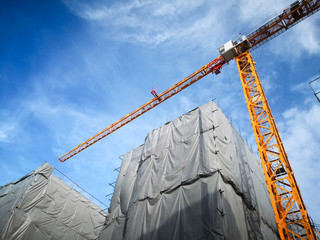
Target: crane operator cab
<point>232,49</point>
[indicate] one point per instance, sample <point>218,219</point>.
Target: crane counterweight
<point>232,49</point>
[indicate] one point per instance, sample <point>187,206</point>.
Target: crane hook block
<point>232,49</point>
<point>154,93</point>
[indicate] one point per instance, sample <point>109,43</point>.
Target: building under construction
<point>193,178</point>
<point>42,206</point>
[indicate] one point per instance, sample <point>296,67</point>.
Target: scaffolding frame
<point>315,92</point>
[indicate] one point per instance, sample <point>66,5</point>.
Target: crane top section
<point>232,49</point>
<point>274,26</point>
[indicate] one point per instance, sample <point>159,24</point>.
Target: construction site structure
<point>290,211</point>
<point>45,204</point>
<point>192,178</point>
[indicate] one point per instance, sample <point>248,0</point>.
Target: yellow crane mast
<point>290,211</point>
<point>288,206</point>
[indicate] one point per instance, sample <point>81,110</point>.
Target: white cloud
<point>190,24</point>
<point>152,22</point>
<point>301,39</point>
<point>10,126</point>
<point>303,89</point>
<point>310,39</point>
<point>301,136</point>
<point>251,10</point>
<point>3,135</point>
<point>300,87</point>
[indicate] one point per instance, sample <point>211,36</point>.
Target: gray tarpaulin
<point>42,206</point>
<point>193,178</point>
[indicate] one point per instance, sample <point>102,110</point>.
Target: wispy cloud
<point>301,136</point>
<point>139,21</point>
<point>153,23</point>
<point>7,132</point>
<point>192,24</point>
<point>11,125</point>
<point>301,39</point>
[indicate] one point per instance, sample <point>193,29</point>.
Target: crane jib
<point>212,67</point>
<point>286,19</point>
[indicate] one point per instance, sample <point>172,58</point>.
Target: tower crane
<point>289,209</point>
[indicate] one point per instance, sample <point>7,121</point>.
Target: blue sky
<point>68,69</point>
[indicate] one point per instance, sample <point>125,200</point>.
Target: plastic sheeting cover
<point>41,206</point>
<point>193,178</point>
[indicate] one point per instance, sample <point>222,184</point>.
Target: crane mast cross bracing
<point>290,211</point>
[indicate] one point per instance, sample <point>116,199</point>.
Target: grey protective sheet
<point>193,178</point>
<point>42,206</point>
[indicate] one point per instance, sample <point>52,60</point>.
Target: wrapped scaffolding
<point>42,206</point>
<point>193,178</point>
